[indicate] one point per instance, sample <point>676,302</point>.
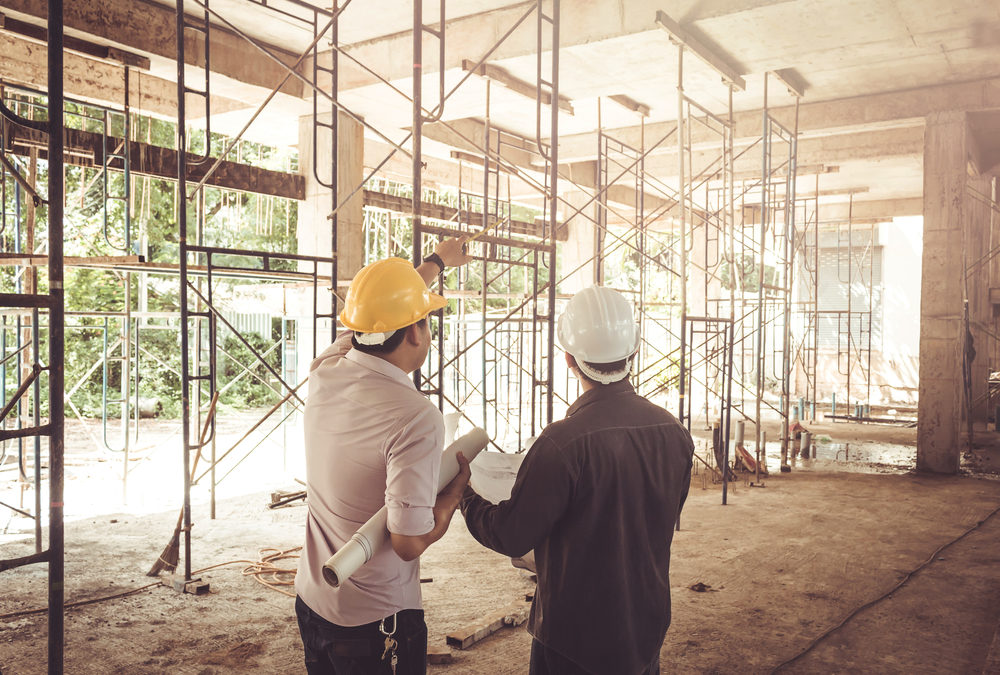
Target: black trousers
<point>357,650</point>
<point>545,661</point>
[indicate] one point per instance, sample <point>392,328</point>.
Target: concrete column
<point>579,250</point>
<point>315,236</point>
<point>314,231</point>
<point>941,293</point>
<point>697,292</point>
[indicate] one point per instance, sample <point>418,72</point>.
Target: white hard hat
<point>598,326</point>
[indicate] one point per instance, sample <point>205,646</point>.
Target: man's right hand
<point>452,251</point>
<point>451,495</point>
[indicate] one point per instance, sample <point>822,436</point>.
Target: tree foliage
<point>95,225</point>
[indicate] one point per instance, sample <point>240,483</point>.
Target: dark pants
<point>545,661</point>
<point>357,650</point>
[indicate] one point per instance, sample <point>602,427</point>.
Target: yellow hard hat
<point>388,295</point>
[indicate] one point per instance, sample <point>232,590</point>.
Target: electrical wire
<point>870,603</point>
<point>267,573</point>
<point>263,570</point>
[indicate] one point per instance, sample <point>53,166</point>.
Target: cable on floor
<point>885,595</point>
<point>263,570</point>
<point>266,572</point>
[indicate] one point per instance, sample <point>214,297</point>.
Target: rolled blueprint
<point>371,536</point>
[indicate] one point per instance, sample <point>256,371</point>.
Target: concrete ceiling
<point>847,54</point>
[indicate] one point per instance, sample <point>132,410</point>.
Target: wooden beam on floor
<point>514,615</point>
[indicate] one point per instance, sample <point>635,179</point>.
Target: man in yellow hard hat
<point>596,498</point>
<point>373,439</point>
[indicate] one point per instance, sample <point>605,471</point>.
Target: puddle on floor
<point>825,455</point>
<point>862,457</point>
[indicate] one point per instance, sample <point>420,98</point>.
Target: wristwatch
<point>436,259</point>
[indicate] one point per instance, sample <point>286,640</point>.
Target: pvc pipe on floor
<point>371,536</point>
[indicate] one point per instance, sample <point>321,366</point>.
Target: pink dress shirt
<point>371,439</point>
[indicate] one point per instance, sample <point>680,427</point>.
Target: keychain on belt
<point>390,643</point>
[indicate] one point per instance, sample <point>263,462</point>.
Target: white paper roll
<point>371,536</point>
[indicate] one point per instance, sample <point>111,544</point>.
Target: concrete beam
<point>74,44</point>
<point>150,29</point>
<point>469,134</point>
<point>822,116</point>
<point>95,81</point>
<point>873,210</point>
<point>581,22</point>
<point>84,148</point>
<point>896,142</point>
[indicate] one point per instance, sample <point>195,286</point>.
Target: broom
<point>167,560</point>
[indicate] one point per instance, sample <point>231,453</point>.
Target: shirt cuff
<point>410,521</point>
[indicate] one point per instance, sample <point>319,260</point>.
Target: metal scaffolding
<point>708,261</point>
<point>27,299</point>
<point>201,319</point>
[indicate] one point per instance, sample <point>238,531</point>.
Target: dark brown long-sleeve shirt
<point>597,497</point>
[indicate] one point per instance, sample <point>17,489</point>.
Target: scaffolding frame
<point>53,303</point>
<point>254,264</point>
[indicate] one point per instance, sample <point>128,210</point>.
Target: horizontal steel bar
<point>25,300</point>
<point>7,434</point>
<point>217,250</point>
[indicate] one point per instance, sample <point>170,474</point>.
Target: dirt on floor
<point>776,569</point>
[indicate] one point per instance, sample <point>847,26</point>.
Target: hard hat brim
<point>434,303</point>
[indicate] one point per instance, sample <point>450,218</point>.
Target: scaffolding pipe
<point>57,415</point>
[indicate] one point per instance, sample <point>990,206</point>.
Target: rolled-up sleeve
<point>539,498</point>
<point>413,463</point>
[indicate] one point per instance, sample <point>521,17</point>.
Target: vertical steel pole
<point>56,337</point>
<point>418,122</point>
<point>764,185</point>
<point>182,239</point>
<point>553,202</point>
<point>680,196</point>
<point>334,173</point>
<point>789,270</point>
<point>850,292</point>
<point>815,301</point>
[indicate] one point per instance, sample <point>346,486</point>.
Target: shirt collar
<point>380,366</point>
<point>600,392</point>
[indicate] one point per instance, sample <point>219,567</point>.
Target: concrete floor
<point>785,563</point>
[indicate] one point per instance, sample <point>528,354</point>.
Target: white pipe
<point>371,536</point>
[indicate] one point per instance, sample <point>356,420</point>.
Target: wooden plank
<point>514,615</point>
<point>437,655</point>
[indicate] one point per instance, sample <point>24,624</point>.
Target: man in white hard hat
<point>596,497</point>
<point>372,439</point>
